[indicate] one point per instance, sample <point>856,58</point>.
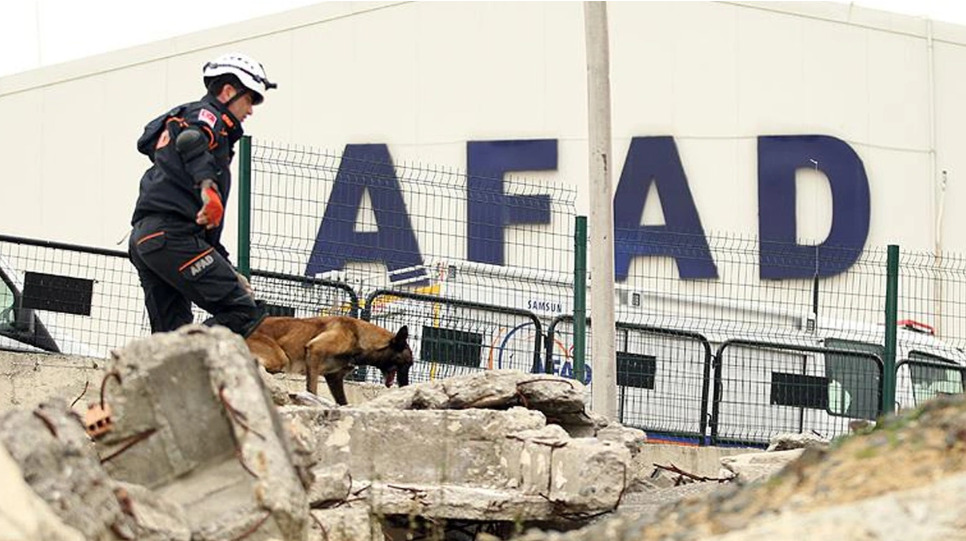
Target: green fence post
<point>891,315</point>
<point>580,296</point>
<point>245,206</point>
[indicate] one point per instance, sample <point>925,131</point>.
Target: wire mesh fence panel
<point>734,287</point>
<point>932,295</point>
<point>478,262</point>
<point>450,337</point>
<point>359,218</point>
<point>663,376</point>
<point>68,299</point>
<point>766,389</point>
<point>663,381</point>
<point>926,378</point>
<point>298,296</point>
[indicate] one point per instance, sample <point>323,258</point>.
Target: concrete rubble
<point>217,446</point>
<point>751,467</point>
<point>559,399</point>
<point>468,464</point>
<point>788,441</point>
<point>782,450</point>
<point>24,516</point>
<point>903,477</point>
<point>204,445</point>
<point>60,464</point>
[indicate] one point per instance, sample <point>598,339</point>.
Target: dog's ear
<point>398,342</point>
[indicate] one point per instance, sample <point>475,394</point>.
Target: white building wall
<point>425,78</point>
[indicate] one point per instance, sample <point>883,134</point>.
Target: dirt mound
<point>900,460</point>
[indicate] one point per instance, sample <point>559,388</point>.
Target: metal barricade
<point>763,388</point>
<point>452,336</point>
<point>663,377</point>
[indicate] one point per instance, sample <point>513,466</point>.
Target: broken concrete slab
<point>421,446</point>
<point>457,502</point>
<point>346,524</point>
<point>159,518</point>
<point>28,379</point>
<point>559,399</point>
<point>751,467</point>
<point>276,388</point>
<point>699,461</point>
<point>589,475</point>
<point>220,504</point>
<point>483,465</point>
<point>305,398</point>
<point>172,396</point>
<point>58,461</point>
<point>587,425</point>
<point>23,515</point>
<point>794,440</point>
<point>217,446</point>
<point>330,485</point>
<point>534,460</point>
<point>634,439</point>
<point>473,464</point>
<point>288,391</point>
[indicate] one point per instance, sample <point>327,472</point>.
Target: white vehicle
<point>29,330</point>
<point>760,383</point>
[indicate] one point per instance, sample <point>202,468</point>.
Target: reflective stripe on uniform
<point>195,258</point>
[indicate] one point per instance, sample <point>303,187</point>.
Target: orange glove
<point>212,209</point>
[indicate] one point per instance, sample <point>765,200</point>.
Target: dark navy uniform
<point>179,261</point>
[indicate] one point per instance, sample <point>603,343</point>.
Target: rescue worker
<point>175,243</point>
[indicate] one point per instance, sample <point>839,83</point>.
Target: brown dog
<point>330,346</point>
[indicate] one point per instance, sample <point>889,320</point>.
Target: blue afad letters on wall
<point>367,168</point>
<point>779,157</point>
<point>654,160</point>
<point>488,209</point>
<point>651,161</point>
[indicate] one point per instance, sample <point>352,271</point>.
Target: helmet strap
<point>238,95</point>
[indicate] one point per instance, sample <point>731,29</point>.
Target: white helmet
<point>250,73</point>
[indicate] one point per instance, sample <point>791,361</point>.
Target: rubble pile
<point>190,439</point>
<point>217,447</point>
<point>196,441</point>
<point>906,474</point>
<point>24,515</point>
<point>501,464</point>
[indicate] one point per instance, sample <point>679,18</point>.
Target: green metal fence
<point>359,218</point>
<point>810,319</point>
<point>354,233</point>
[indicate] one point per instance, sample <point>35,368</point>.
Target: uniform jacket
<point>170,186</point>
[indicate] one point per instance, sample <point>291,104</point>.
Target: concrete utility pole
<point>601,236</point>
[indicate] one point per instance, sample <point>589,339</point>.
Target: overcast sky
<point>35,33</point>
